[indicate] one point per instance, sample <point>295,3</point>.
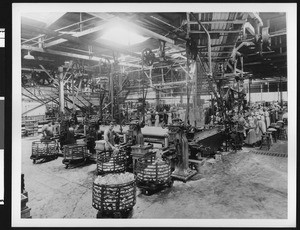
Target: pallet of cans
<point>153,174</point>
<point>114,195</point>
<point>74,153</point>
<point>111,161</point>
<point>44,150</point>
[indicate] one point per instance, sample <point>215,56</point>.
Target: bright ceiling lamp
<point>28,56</point>
<point>123,36</point>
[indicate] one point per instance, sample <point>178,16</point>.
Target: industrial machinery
<point>179,144</point>
<point>25,210</point>
<point>206,142</point>
<point>136,138</point>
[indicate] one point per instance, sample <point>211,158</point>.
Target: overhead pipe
<point>208,43</point>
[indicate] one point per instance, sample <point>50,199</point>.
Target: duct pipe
<point>208,44</point>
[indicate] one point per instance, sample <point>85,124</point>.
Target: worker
<point>251,135</point>
<point>148,119</point>
<point>267,117</point>
<point>218,118</point>
<point>170,117</point>
<point>91,138</point>
<point>156,119</point>
<point>70,136</point>
<point>109,137</point>
<point>261,129</point>
<point>165,117</point>
<point>272,115</point>
<point>240,130</point>
<point>285,116</point>
<point>47,131</point>
<point>73,118</point>
<point>56,129</point>
<point>67,137</point>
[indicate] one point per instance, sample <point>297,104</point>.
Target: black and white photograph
<point>154,115</point>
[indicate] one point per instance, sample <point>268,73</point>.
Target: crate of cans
<point>114,193</point>
<point>44,150</point>
<point>150,169</point>
<point>111,161</point>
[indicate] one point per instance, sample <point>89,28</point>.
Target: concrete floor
<point>241,185</point>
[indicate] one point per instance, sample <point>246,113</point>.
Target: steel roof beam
<point>256,16</point>
<point>77,35</point>
<point>219,45</point>
<point>78,40</point>
<point>221,21</point>
<point>219,52</point>
<point>249,28</point>
<point>216,31</point>
<point>72,55</point>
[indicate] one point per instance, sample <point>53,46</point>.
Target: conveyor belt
<point>267,153</point>
<point>206,134</point>
<point>146,131</point>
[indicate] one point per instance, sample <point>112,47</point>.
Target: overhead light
<point>28,56</point>
<point>123,36</point>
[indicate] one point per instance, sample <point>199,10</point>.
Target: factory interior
<point>154,115</point>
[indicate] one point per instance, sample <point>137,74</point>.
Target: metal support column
<point>261,90</point>
<point>73,93</point>
<point>195,100</point>
<point>112,92</point>
<point>80,20</point>
<point>281,102</point>
<point>277,91</point>
<point>187,74</point>
<point>187,117</point>
<point>249,91</point>
<point>162,75</point>
<point>157,96</point>
<point>61,90</point>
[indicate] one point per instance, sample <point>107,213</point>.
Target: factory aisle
<point>241,185</point>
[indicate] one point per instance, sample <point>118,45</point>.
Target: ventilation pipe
<point>208,44</point>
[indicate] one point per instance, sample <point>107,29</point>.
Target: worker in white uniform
<point>156,119</point>
<point>148,119</point>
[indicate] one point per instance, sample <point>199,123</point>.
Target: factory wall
<point>28,105</point>
<point>254,97</point>
<point>151,98</point>
<point>269,97</point>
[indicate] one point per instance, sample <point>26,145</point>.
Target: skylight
<point>46,17</point>
<point>123,36</point>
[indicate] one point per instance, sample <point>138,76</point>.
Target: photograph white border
<point>2,163</point>
<point>18,8</point>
